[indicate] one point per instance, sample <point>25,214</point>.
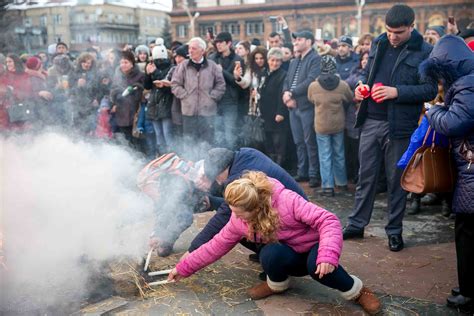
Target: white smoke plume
<point>64,200</point>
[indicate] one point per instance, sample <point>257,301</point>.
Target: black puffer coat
<point>453,62</point>
<point>271,102</point>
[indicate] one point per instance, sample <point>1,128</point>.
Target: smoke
<point>65,203</point>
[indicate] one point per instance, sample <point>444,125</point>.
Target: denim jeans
<point>280,261</point>
<point>164,132</point>
<point>331,159</point>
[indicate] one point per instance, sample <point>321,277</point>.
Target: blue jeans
<point>332,162</point>
<point>302,129</point>
<point>164,132</point>
<point>280,261</point>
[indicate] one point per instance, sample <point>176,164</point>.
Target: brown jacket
<point>329,106</point>
<point>199,91</point>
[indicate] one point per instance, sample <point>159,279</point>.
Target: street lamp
<point>360,4</point>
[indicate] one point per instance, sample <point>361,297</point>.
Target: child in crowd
<point>298,237</point>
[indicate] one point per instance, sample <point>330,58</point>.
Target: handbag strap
<point>426,136</point>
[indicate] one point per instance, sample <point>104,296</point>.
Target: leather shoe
<point>301,178</point>
<point>414,207</point>
<point>464,304</point>
<point>314,182</point>
<point>455,291</point>
<point>395,242</point>
<point>351,233</point>
<point>430,199</point>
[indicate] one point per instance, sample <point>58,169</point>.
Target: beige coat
<point>199,91</point>
<point>329,106</point>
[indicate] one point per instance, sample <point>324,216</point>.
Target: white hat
<point>52,49</point>
<point>159,51</point>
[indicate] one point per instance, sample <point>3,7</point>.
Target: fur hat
<point>159,51</point>
<point>33,63</point>
<point>142,48</point>
<point>216,161</point>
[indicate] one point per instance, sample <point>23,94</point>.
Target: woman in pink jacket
<point>300,238</point>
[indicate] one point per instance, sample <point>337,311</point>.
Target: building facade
<point>81,24</point>
<point>248,19</point>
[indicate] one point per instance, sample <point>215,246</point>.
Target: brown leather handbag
<point>430,170</point>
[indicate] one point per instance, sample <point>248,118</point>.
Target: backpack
<point>158,172</point>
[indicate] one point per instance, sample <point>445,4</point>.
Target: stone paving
<point>414,281</point>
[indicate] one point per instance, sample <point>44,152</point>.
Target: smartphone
<point>451,20</point>
<point>210,30</point>
<point>272,18</point>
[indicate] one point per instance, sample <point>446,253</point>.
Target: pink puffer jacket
<point>302,225</point>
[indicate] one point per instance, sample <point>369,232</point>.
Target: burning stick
<point>160,282</point>
<point>162,272</point>
<point>147,261</point>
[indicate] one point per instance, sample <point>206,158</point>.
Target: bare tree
<point>9,41</point>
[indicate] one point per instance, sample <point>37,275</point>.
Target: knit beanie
<point>159,51</point>
<point>182,51</point>
<point>142,48</point>
<point>328,65</point>
<point>33,63</point>
<point>438,29</point>
<point>216,161</point>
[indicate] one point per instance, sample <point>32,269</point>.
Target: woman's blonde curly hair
<point>253,193</point>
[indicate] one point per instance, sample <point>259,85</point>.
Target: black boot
<point>464,304</point>
<point>445,208</point>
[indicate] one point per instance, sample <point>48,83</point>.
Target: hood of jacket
<point>329,82</point>
<point>449,60</point>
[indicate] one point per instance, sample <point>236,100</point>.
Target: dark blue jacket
<point>452,61</point>
<point>345,66</point>
<point>404,111</point>
<point>245,159</point>
<point>309,70</point>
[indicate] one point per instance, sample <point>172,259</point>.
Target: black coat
<point>271,101</point>
<point>404,111</point>
<point>453,61</point>
<point>161,99</point>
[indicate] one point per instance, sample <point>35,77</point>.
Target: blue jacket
<point>345,66</point>
<point>404,111</point>
<point>309,70</point>
<point>245,159</point>
<point>452,61</point>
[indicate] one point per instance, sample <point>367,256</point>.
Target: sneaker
<point>328,192</point>
<point>368,301</point>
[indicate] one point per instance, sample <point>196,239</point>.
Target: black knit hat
<point>182,51</point>
<point>216,161</point>
<point>328,65</point>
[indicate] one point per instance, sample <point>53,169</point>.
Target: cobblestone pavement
<point>414,281</point>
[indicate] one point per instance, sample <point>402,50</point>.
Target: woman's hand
<point>150,68</point>
<point>279,118</point>
<point>324,268</point>
<point>174,276</point>
<point>46,95</point>
<point>114,109</point>
<point>237,71</point>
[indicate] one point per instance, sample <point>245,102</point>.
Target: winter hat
<point>344,39</point>
<point>142,48</point>
<point>440,29</point>
<point>216,161</point>
<point>182,51</point>
<point>159,51</point>
<point>33,63</point>
<point>328,65</point>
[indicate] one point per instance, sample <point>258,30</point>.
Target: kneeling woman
<point>300,238</point>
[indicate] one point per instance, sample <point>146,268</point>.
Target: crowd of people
<point>332,113</point>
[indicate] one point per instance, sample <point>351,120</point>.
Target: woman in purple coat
<point>300,239</point>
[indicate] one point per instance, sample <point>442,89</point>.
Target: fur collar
<point>414,43</point>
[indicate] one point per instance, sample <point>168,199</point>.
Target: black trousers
<point>464,237</point>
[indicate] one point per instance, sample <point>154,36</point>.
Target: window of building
<point>277,27</point>
<point>205,3</point>
<point>254,27</point>
<point>182,30</point>
<point>110,17</point>
<point>79,18</point>
<point>131,19</point>
<point>28,22</point>
<point>204,27</point>
<point>119,18</point>
<point>229,2</point>
<point>57,19</point>
<point>44,20</point>
<point>231,27</point>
